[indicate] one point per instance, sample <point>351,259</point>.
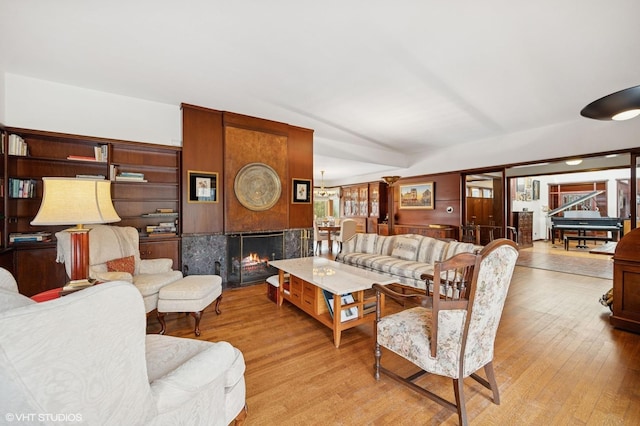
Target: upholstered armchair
<point>86,359</point>
<point>114,254</point>
<point>451,330</point>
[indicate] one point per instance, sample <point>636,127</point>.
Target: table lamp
<point>74,201</point>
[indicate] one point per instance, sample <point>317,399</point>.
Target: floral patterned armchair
<point>451,334</point>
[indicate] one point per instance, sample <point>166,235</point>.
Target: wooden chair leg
<point>163,325</point>
<point>197,316</point>
<point>378,355</point>
<point>218,300</point>
<point>491,378</point>
<point>458,390</point>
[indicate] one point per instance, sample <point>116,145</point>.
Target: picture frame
<point>203,187</point>
<point>301,191</point>
<point>536,190</point>
<point>417,196</point>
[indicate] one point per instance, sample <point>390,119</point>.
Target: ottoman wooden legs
<point>196,315</point>
<point>191,294</point>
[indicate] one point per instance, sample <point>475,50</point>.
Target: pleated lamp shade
<point>74,201</point>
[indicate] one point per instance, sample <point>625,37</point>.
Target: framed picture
<point>417,196</point>
<point>203,187</point>
<point>536,189</point>
<point>301,191</point>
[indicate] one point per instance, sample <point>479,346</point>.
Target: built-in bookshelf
<point>145,190</point>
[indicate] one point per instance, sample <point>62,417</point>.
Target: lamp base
<point>79,253</point>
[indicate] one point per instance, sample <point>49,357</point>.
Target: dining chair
<point>347,231</point>
<point>319,237</point>
<point>452,329</point>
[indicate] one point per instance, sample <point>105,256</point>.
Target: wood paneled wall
<point>446,193</point>
<point>224,142</point>
<point>202,150</point>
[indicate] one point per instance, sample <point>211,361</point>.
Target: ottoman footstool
<point>191,294</point>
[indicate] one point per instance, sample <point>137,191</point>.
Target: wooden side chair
<point>451,330</point>
<point>319,237</point>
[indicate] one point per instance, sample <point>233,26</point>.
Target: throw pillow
<point>124,264</point>
<point>405,248</point>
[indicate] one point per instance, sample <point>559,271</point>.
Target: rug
<point>598,268</point>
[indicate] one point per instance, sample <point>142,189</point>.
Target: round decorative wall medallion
<point>257,186</point>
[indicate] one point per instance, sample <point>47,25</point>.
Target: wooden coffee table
<point>314,281</point>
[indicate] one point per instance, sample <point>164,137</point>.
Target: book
<point>81,158</point>
<point>159,214</point>
<point>96,177</point>
<point>121,178</point>
<point>16,237</point>
<point>346,314</point>
<point>79,284</point>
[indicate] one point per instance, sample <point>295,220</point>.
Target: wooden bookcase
<point>136,202</point>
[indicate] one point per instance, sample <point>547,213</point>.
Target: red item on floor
<point>54,293</point>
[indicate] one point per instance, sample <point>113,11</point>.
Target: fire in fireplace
<point>249,256</point>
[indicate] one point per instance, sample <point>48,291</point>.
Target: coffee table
<point>316,285</point>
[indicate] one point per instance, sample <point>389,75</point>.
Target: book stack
<point>130,177</point>
<point>19,237</point>
<point>101,153</point>
<point>163,229</point>
<point>22,188</point>
<point>17,145</point>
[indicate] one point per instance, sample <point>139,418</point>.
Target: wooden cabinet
<point>168,248</point>
<point>64,155</point>
<point>523,222</point>
<point>36,269</point>
<point>434,231</point>
<point>626,283</point>
<point>366,203</point>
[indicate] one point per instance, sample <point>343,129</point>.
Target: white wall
<point>3,104</point>
<point>43,105</point>
<point>541,223</point>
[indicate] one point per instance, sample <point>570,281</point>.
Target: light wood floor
<point>557,362</point>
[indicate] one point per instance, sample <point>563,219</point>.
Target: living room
<point>380,101</point>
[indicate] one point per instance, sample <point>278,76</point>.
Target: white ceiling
<point>386,86</point>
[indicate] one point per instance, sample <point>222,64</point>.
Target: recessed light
<point>573,162</point>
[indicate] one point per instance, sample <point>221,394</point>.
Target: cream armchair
<point>85,359</point>
<point>114,254</point>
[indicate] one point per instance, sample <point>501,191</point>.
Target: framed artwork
<point>536,189</point>
<point>417,196</point>
<point>301,191</point>
<point>203,187</point>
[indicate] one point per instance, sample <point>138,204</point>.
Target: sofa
<point>405,257</point>
<point>85,359</point>
<point>114,254</point>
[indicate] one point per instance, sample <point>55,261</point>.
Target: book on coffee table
<point>346,314</point>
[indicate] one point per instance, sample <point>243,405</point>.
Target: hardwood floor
<point>557,362</point>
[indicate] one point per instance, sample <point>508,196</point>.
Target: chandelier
<point>322,192</point>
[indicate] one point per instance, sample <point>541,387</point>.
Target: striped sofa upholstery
<point>405,257</point>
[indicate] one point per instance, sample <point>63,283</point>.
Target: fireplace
<point>249,256</point>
